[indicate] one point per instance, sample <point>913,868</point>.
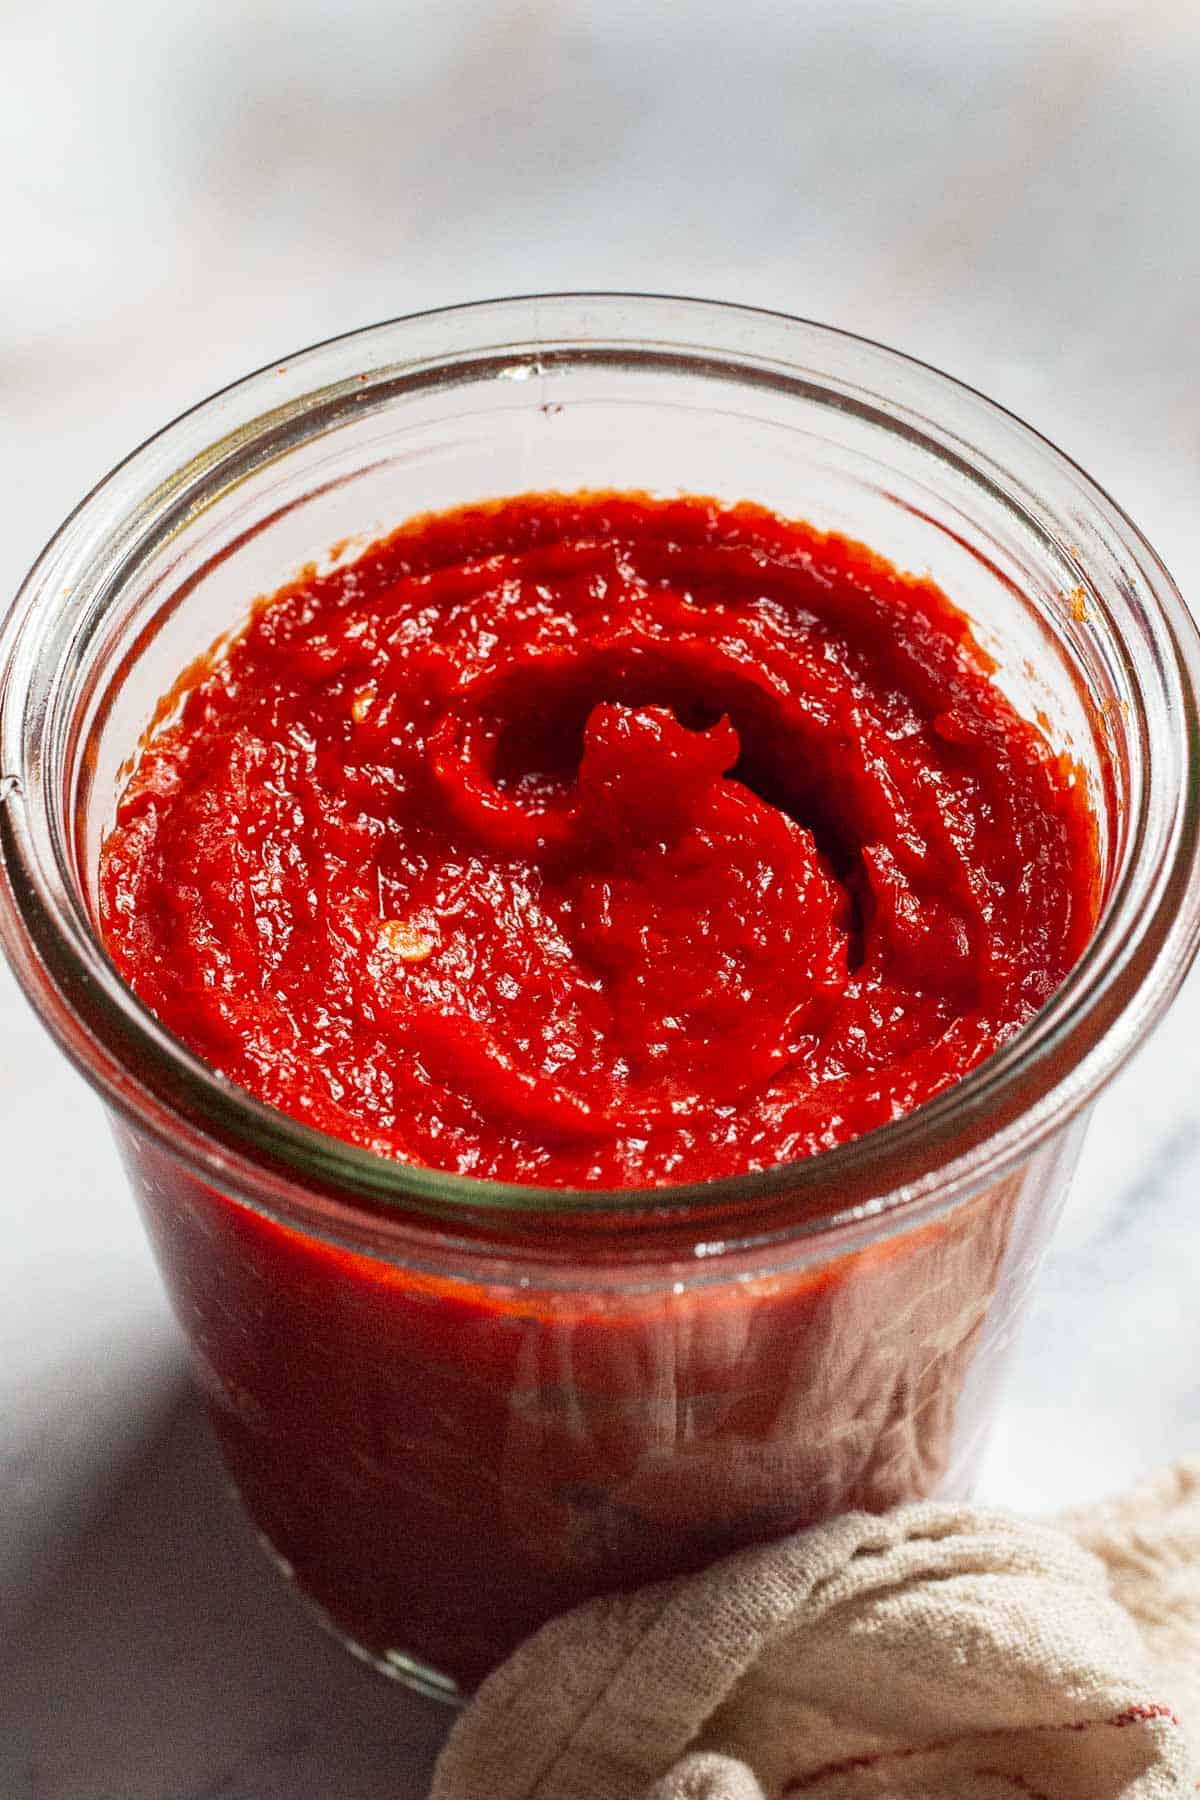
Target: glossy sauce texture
<point>599,840</point>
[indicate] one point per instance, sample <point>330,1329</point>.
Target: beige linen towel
<point>939,1651</point>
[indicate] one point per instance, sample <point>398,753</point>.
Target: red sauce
<point>591,840</point>
<point>599,840</point>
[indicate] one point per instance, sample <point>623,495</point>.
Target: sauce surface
<point>599,840</point>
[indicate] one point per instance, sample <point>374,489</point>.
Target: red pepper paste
<point>591,840</point>
<point>599,841</point>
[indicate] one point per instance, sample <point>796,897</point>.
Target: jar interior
<point>315,484</point>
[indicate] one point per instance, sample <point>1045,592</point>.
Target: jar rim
<point>970,1134</point>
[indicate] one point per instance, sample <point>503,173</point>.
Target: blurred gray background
<point>1009,191</point>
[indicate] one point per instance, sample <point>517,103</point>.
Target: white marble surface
<point>186,192</point>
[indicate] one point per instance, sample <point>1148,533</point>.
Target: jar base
<point>396,1665</point>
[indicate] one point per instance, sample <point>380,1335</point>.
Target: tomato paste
<point>599,841</point>
<point>592,840</point>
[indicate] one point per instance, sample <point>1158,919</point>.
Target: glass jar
<point>453,1408</point>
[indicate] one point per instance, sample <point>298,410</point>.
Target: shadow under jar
<point>454,1408</point>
